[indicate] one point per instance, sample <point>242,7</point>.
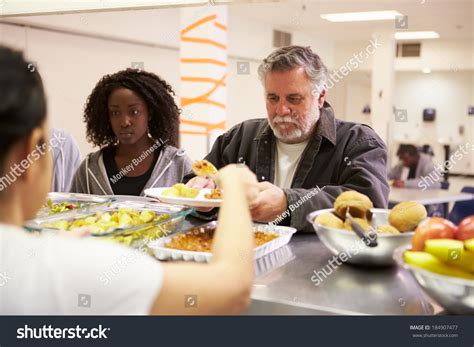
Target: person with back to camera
<point>48,282</point>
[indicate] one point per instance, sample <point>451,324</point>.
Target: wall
<point>439,55</point>
<point>72,62</point>
<point>450,93</point>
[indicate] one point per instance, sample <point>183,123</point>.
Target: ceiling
<point>451,19</point>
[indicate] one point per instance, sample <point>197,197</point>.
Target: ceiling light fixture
<point>416,35</point>
<point>361,16</point>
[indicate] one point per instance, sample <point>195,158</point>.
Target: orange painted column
<point>203,74</point>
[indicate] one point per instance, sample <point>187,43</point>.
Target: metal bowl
<point>455,295</point>
<point>352,249</point>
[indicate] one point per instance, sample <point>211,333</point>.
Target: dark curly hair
<point>157,94</point>
<point>22,102</point>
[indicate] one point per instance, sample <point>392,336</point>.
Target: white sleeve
<point>93,277</point>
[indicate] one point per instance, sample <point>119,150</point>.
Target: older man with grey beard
<point>302,155</point>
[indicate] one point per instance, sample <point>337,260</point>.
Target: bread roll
<point>329,220</point>
<point>362,222</point>
<point>387,229</point>
<point>359,204</point>
<point>405,216</point>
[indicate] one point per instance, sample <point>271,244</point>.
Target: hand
<point>200,183</point>
<point>398,184</point>
<point>233,172</point>
<point>269,203</point>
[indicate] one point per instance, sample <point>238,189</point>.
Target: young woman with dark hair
<point>132,116</point>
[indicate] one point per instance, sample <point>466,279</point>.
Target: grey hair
<point>287,58</point>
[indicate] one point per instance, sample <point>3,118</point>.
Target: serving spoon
<point>369,241</point>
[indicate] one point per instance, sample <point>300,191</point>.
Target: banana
<point>469,245</point>
<point>451,252</point>
<point>429,262</point>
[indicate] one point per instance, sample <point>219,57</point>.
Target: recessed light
<point>360,16</point>
<point>426,70</point>
<point>416,35</point>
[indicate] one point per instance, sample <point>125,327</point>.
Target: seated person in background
<point>48,282</point>
<point>66,160</point>
<point>302,155</point>
<point>131,115</point>
<point>427,150</point>
<point>417,164</point>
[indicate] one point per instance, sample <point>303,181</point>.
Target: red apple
<point>465,229</point>
<point>432,228</point>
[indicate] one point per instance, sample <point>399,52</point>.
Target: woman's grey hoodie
<point>170,168</point>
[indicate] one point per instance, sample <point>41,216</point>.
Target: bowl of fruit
<point>358,233</point>
<point>441,259</point>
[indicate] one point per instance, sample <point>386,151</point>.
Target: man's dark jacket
<point>339,156</point>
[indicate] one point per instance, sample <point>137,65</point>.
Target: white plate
<point>198,201</point>
<point>162,253</point>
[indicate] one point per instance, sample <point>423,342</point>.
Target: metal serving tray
<point>162,253</point>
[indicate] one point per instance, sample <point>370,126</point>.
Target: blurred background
<point>406,68</point>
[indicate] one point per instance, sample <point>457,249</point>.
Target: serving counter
<point>287,282</point>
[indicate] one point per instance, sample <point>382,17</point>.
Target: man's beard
<point>301,131</point>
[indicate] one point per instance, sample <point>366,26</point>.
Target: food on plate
<point>198,240</point>
<point>60,207</point>
<point>181,190</point>
<point>203,168</point>
<point>261,237</point>
<point>432,228</point>
<point>465,229</point>
<point>359,205</point>
<point>103,222</point>
<point>215,194</point>
<point>431,263</point>
<point>405,216</point>
<point>362,222</point>
<point>387,229</point>
<point>451,252</point>
<point>329,220</point>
